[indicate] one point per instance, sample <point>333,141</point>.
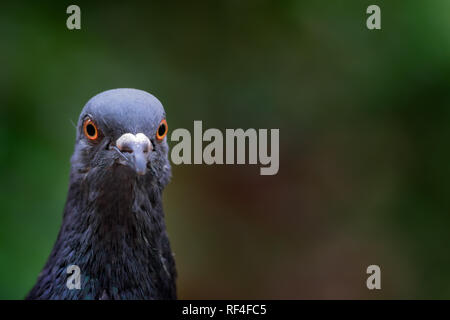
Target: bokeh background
<point>364,138</point>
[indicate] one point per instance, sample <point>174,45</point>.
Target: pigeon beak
<point>135,149</point>
<point>140,163</point>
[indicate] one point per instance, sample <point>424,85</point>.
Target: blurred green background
<point>364,127</point>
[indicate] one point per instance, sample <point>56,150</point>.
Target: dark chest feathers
<point>117,239</point>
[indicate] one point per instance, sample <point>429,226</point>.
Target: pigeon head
<point>123,131</point>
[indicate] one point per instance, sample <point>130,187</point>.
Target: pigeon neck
<point>116,211</point>
<point>115,232</point>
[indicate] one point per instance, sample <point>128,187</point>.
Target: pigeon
<point>113,230</point>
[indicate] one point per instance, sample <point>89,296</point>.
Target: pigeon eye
<point>162,130</point>
<point>90,129</point>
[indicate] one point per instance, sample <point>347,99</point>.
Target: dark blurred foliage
<point>364,123</point>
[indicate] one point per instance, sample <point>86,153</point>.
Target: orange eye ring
<point>90,130</point>
<point>162,130</point>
